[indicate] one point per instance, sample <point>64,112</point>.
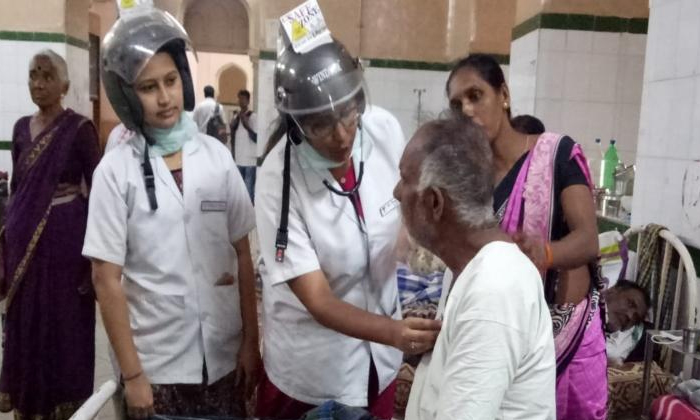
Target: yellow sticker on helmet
<point>298,31</point>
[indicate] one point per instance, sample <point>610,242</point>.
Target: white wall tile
<point>663,34</point>
<point>579,41</point>
<point>551,69</point>
<point>5,161</point>
<point>606,42</point>
<point>603,77</point>
<point>633,44</point>
<point>626,129</point>
<point>552,40</point>
<point>601,123</point>
<point>671,109</point>
<point>665,191</point>
<point>648,184</point>
<point>694,152</point>
<point>549,111</point>
<point>688,42</point>
<point>577,76</point>
<point>574,119</point>
<point>630,78</point>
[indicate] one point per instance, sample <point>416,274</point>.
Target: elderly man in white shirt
<point>494,357</point>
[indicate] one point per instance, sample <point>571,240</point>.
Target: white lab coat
<point>175,259</point>
<point>305,360</point>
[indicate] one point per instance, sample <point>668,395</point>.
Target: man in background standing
<point>205,110</point>
<point>244,136</point>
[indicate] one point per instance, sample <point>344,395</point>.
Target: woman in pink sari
<point>49,331</point>
<point>543,198</point>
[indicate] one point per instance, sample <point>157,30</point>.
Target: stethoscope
<point>281,240</point>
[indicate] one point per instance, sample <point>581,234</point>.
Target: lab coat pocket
<point>157,321</point>
<point>226,308</point>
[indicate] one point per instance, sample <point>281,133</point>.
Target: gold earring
<point>505,105</point>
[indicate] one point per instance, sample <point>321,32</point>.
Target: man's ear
<point>435,202</point>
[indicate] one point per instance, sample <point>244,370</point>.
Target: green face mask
<point>314,160</point>
<point>170,140</point>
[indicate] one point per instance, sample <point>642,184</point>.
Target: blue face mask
<point>314,160</point>
<point>170,140</point>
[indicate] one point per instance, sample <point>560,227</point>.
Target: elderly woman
<point>49,344</point>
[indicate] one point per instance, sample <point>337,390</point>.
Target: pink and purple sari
<point>49,341</point>
<point>578,330</point>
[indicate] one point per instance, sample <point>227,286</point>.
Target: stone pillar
<point>578,66</point>
<point>667,182</point>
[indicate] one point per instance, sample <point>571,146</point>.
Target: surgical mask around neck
<point>170,140</point>
<point>310,158</point>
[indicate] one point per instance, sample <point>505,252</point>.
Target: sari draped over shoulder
<point>577,327</point>
<point>39,168</point>
<point>48,354</point>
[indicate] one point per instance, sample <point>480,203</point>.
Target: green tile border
<point>605,224</point>
<point>580,22</point>
<point>502,59</point>
<point>5,145</point>
<point>43,37</point>
<point>268,55</point>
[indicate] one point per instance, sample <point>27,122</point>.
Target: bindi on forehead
<point>42,64</point>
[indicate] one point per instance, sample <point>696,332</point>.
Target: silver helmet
<point>318,80</point>
<point>126,49</point>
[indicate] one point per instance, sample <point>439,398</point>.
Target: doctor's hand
<point>416,335</point>
<point>249,367</point>
<point>139,398</point>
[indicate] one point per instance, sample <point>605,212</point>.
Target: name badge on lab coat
<point>388,207</point>
<point>213,206</point>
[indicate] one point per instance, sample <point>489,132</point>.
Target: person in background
<point>527,124</point>
<point>543,199</point>
<point>244,138</point>
<point>49,333</point>
<point>328,226</point>
<point>206,109</point>
<point>170,215</point>
<point>494,357</point>
<point>626,305</point>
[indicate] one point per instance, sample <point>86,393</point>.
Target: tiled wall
<point>667,184</point>
<point>390,88</point>
<point>586,84</point>
<point>15,101</point>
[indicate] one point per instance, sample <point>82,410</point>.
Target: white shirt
<point>305,360</point>
<point>245,149</point>
<point>494,357</point>
<point>119,134</point>
<point>204,111</point>
<point>174,258</point>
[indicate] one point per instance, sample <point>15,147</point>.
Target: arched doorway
<point>231,79</point>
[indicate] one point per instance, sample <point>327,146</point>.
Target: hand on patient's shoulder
<point>416,335</point>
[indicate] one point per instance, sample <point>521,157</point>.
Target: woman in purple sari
<point>49,334</point>
<point>543,199</point>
